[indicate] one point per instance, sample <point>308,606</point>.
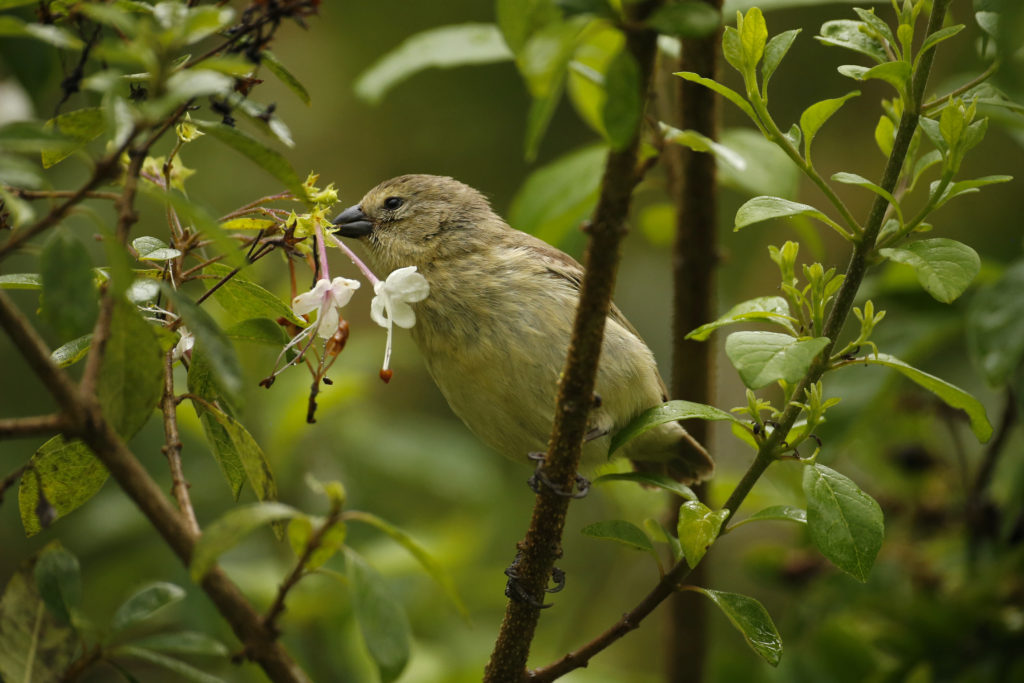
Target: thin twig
<point>62,194</point>
<point>172,447</point>
<point>31,426</point>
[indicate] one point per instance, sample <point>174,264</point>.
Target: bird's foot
<point>514,589</point>
<point>580,488</point>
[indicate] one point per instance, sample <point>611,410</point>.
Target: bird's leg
<point>581,486</point>
<point>514,588</point>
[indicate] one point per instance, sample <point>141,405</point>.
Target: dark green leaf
<point>80,126</point>
<point>131,376</point>
<point>559,196</point>
<point>429,564</point>
<point>623,105</point>
<point>244,299</point>
<point>854,179</point>
<point>59,582</point>
<point>995,326</point>
<point>847,33</point>
<point>274,65</point>
<point>815,116</point>
<point>763,358</point>
<point>211,339</point>
<point>34,645</point>
<point>48,33</point>
<point>949,393</point>
<point>383,623</point>
<point>226,532</point>
<point>184,643</point>
<point>939,36</point>
<point>752,620</point>
<point>542,109</point>
<point>650,479</point>
<point>72,352</point>
<point>620,531</point>
<point>770,309</point>
<point>666,412</point>
<point>202,382</point>
<point>520,19</point>
<point>268,159</point>
<point>183,671</point>
<point>944,267</point>
<point>250,455</point>
<point>70,475</point>
<point>33,136</point>
<point>69,300</point>
<point>258,330</point>
<point>686,20</point>
<point>966,186</point>
<point>441,47</point>
<point>845,523</point>
<point>192,213</point>
<point>765,208</point>
<point>698,527</point>
<point>785,513</point>
<point>145,602</point>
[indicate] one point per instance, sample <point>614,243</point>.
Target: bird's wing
<point>560,265</point>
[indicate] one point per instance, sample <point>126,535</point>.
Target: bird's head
<point>418,220</point>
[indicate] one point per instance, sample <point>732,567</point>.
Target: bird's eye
<point>392,203</point>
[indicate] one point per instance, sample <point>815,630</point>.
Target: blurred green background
<point>923,616</point>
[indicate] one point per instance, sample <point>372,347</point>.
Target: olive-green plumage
<point>495,328</point>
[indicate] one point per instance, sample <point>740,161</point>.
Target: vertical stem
<point>172,447</point>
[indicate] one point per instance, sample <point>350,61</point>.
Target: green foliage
<point>650,479</point>
<point>763,358</point>
<point>230,529</point>
<point>844,523</point>
<point>382,621</point>
<point>995,326</point>
<point>667,412</point>
<point>69,299</point>
<point>143,603</point>
<point>620,531</point>
<point>697,529</point>
<point>752,620</point>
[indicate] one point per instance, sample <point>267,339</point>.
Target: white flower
<point>326,297</point>
<point>185,342</point>
<point>391,306</point>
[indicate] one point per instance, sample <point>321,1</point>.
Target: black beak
<point>352,222</point>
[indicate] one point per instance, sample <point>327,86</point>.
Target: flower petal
<point>405,284</point>
<point>402,314</point>
<point>307,302</point>
<point>378,311</point>
<point>342,290</point>
<point>327,323</point>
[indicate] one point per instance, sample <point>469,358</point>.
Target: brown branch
<point>172,447</point>
<point>277,607</point>
<point>86,418</point>
<point>62,194</point>
<point>541,547</point>
<point>694,189</point>
<point>31,426</point>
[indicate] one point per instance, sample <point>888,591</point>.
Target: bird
<point>495,328</point>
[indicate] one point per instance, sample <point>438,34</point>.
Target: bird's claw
<point>514,589</point>
<point>580,488</point>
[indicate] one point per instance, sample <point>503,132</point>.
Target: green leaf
<point>544,62</point>
<point>686,20</point>
<point>784,513</point>
<point>183,670</point>
<point>202,382</point>
<point>815,116</point>
<point>774,51</point>
<point>702,143</point>
<point>69,301</point>
<point>228,530</point>
<point>383,623</point>
<point>47,33</point>
<point>885,134</point>
<point>146,601</point>
<point>244,299</point>
<point>274,65</point>
<point>72,352</point>
<point>132,372</point>
<point>33,136</point>
<point>258,330</point>
<point>211,339</point>
<point>854,179</point>
<point>951,394</point>
<point>70,475</point>
<point>192,213</point>
<point>765,208</point>
<point>871,19</point>
<point>268,159</point>
<point>944,267</point>
<point>34,645</point>
<point>937,37</point>
<point>250,455</point>
<point>767,170</point>
<point>557,197</point>
<point>650,479</point>
<point>752,620</point>
<point>183,643</point>
<point>896,74</point>
<point>59,581</point>
<point>80,126</point>
<point>520,19</point>
<point>542,109</point>
<point>753,37</point>
<point>727,93</point>
<point>426,560</point>
<point>153,249</point>
<point>698,527</point>
<point>623,105</point>
<point>666,412</point>
<point>966,186</point>
<point>620,531</point>
<point>21,281</point>
<point>995,326</point>
<point>769,309</point>
<point>847,33</point>
<point>844,523</point>
<point>763,358</point>
<point>441,47</point>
